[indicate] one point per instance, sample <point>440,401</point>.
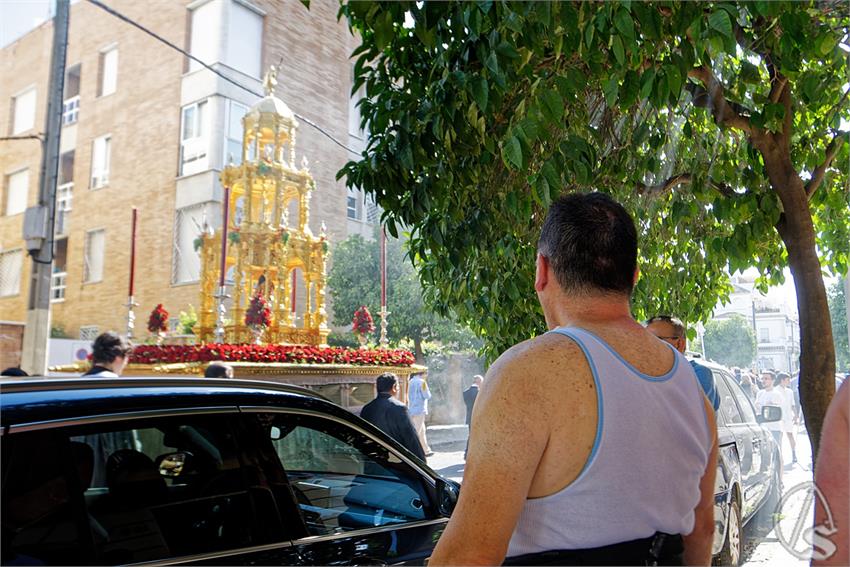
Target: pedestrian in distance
<point>771,396</point>
<point>545,482</point>
<point>469,396</point>
<point>747,385</point>
<point>418,395</point>
<point>110,354</point>
<point>390,415</point>
<point>218,370</point>
<point>832,471</point>
<point>672,330</point>
<point>789,412</point>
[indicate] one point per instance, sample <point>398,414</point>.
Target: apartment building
<point>775,324</point>
<point>146,127</point>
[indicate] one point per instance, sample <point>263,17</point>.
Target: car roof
<point>38,399</point>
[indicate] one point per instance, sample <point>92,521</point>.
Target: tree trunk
<point>817,351</point>
<point>417,350</point>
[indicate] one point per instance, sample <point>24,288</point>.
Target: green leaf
<point>826,43</point>
<point>719,20</point>
<point>512,152</point>
<point>610,90</point>
<point>480,92</point>
<point>384,31</point>
<point>505,49</point>
<point>624,23</point>
<point>552,105</point>
<point>617,47</point>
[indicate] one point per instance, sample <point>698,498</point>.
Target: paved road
<point>762,549</point>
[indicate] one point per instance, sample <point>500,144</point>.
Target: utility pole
<point>847,303</point>
<point>39,221</point>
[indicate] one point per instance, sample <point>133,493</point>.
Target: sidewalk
<point>785,544</point>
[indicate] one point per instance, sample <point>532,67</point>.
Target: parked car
<point>749,473</point>
<point>164,471</point>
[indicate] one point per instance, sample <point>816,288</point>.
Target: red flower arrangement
<point>362,324</point>
<point>258,313</point>
<point>301,354</point>
<point>158,320</point>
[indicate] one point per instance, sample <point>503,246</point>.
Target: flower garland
<point>258,313</point>
<point>362,324</point>
<point>300,354</point>
<point>158,320</point>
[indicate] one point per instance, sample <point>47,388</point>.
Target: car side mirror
<point>770,414</point>
<point>447,494</point>
<point>171,465</point>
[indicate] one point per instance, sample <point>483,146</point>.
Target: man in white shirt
<point>770,396</point>
<point>788,412</point>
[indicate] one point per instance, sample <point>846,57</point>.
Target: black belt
<point>660,549</point>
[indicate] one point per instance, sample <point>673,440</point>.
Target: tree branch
<point>724,114</point>
<point>820,171</point>
<point>682,179</point>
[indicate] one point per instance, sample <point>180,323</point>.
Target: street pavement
<point>761,549</point>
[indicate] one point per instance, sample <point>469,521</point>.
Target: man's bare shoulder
<point>533,363</point>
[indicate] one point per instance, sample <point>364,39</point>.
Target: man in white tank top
<point>593,442</point>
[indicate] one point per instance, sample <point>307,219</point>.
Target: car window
<point>154,489</point>
<point>728,406</point>
<point>342,479</point>
<point>41,509</point>
<point>748,413</point>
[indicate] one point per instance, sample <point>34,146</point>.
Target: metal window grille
<point>89,332</point>
<point>93,256</point>
<point>64,198</point>
<point>186,261</point>
<point>11,265</point>
<point>373,212</point>
<point>70,110</point>
<point>57,286</point>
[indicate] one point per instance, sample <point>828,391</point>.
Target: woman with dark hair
<point>110,353</point>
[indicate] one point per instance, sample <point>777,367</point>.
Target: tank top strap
<point>596,349</point>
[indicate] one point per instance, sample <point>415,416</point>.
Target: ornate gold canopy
<point>264,245</point>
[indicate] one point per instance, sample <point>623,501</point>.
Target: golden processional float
<point>261,246</point>
<point>254,254</point>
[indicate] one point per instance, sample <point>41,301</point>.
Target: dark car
<point>163,471</point>
<point>749,475</point>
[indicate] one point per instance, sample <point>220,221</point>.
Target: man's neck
<point>591,310</point>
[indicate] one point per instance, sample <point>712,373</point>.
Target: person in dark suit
<point>469,396</point>
<point>390,415</point>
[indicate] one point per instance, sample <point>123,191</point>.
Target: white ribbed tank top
<point>642,476</point>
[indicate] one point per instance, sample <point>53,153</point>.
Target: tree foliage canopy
<point>354,280</point>
<point>481,113</point>
<point>730,341</point>
<point>838,315</point>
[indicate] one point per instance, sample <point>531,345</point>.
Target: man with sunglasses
<point>672,330</point>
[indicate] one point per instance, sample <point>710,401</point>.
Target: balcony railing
<point>70,110</point>
<point>57,286</point>
<point>64,199</point>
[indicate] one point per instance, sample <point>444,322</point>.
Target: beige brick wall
<point>143,117</point>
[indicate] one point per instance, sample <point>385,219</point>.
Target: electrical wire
<point>38,137</point>
<point>158,37</point>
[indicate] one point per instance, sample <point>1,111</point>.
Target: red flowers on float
<point>258,314</point>
<point>296,354</point>
<point>362,324</point>
<point>158,320</point>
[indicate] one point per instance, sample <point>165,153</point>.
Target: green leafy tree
<point>718,124</point>
<point>354,280</point>
<point>838,314</point>
<point>730,341</point>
